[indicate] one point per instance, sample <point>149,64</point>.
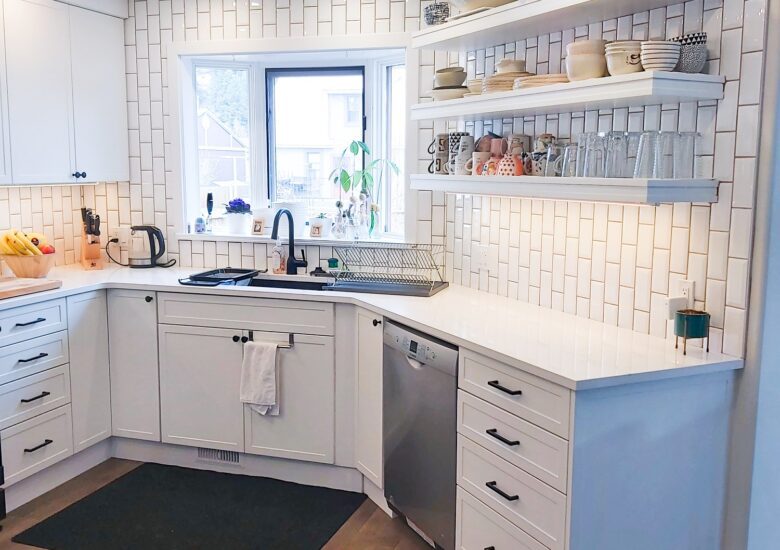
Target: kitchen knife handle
<point>496,384</point>
<point>27,324</point>
<point>37,397</point>
<point>39,356</point>
<point>41,446</point>
<point>493,486</point>
<point>493,432</point>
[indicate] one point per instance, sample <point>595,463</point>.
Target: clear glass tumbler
<point>684,155</point>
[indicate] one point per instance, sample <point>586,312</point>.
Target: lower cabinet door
<point>200,374</point>
<point>304,428</point>
<point>35,444</point>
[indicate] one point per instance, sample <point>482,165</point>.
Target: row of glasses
<point>625,155</point>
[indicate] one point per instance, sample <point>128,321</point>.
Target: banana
<point>5,248</point>
<point>38,239</point>
<point>16,244</point>
<point>28,244</point>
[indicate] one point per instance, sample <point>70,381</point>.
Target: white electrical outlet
<point>685,288</point>
<point>682,299</point>
<point>480,256</point>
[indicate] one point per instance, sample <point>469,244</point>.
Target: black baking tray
<point>223,276</point>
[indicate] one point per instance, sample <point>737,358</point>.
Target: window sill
<point>311,241</point>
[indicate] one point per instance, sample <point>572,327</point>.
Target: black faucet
<point>293,263</point>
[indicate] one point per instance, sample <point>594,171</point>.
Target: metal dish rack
<point>398,268</point>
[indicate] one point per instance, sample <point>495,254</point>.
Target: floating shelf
<point>611,92</point>
<point>524,18</point>
<point>617,190</point>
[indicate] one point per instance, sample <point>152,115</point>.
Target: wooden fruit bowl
<point>34,267</point>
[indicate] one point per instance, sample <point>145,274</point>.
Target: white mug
<point>475,163</point>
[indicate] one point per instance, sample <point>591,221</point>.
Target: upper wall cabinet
<point>5,140</point>
<point>66,93</point>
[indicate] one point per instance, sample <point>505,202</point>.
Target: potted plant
<point>365,215</point>
<point>238,217</point>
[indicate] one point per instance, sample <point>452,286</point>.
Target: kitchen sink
<point>293,284</point>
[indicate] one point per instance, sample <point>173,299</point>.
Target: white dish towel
<point>259,380</point>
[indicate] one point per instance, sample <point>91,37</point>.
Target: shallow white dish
<point>443,94</point>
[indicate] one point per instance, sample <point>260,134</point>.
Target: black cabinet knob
<point>78,175</point>
<point>376,322</point>
<point>83,174</point>
<point>148,299</point>
<point>236,338</point>
<point>244,339</point>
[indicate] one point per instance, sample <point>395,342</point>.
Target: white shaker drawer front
<point>533,449</point>
<point>533,506</point>
<point>263,314</point>
<point>23,323</point>
<point>31,356</point>
<point>34,395</point>
<point>33,445</point>
<point>478,527</point>
<point>538,401</point>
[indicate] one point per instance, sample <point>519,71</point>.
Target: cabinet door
<point>5,138</point>
<point>135,386</point>
<point>368,420</point>
<point>37,54</point>
<point>99,95</point>
<point>200,375</point>
<point>89,380</point>
<point>304,428</point>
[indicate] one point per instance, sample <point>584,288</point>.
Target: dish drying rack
<point>391,268</point>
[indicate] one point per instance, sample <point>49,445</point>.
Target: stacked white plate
<point>501,82</point>
<point>660,55</point>
<point>535,81</point>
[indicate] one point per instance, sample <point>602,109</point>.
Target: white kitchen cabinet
<point>66,93</point>
<point>200,374</point>
<point>99,95</point>
<point>37,53</point>
<point>305,426</point>
<point>368,420</point>
<point>5,138</point>
<point>135,385</point>
<point>89,372</point>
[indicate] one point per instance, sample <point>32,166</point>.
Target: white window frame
<point>375,87</point>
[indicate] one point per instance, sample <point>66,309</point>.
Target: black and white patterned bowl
<point>693,57</point>
<point>437,13</point>
<point>691,38</point>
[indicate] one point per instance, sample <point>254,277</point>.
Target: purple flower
<point>238,206</point>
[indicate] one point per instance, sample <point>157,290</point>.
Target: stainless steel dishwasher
<point>419,430</point>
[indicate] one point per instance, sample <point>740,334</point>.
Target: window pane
<point>314,116</point>
<point>223,134</point>
<point>396,81</point>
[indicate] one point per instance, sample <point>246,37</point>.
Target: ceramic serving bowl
<point>586,47</point>
<point>443,94</point>
<point>33,267</point>
<point>693,57</point>
<point>660,55</point>
<point>624,62</point>
<point>449,78</point>
<point>586,65</point>
<point>507,65</point>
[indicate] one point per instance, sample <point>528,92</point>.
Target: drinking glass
<point>568,168</point>
<point>554,160</point>
<point>684,155</point>
<point>593,162</point>
<point>615,154</point>
<point>665,155</point>
<point>646,155</point>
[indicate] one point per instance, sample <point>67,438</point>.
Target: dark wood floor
<point>369,528</point>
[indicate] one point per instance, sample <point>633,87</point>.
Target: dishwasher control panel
<point>423,349</point>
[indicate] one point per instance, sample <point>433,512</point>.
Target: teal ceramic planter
<point>691,323</point>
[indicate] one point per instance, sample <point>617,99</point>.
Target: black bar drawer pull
<point>37,397</point>
<point>493,432</point>
<point>490,548</point>
<point>27,324</point>
<point>493,486</point>
<point>496,384</point>
<point>39,356</point>
<point>41,446</point>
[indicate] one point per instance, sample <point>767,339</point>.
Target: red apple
<point>46,249</point>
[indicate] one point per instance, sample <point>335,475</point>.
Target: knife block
<point>91,253</point>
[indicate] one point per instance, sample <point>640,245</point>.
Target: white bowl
<point>451,70</point>
<point>624,44</point>
<point>508,65</point>
<point>474,85</point>
<point>586,47</point>
<point>623,63</point>
<point>443,94</point>
<point>449,78</point>
<point>585,66</point>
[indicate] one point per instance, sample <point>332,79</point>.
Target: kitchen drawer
<point>33,395</point>
<point>537,451</point>
<point>23,323</point>
<point>264,314</point>
<point>478,527</point>
<point>531,505</point>
<point>31,446</point>
<point>31,356</point>
<point>538,401</point>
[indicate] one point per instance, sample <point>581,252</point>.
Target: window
<point>312,115</point>
<point>274,133</point>
<point>223,130</point>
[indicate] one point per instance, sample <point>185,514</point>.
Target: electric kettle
<point>149,250</point>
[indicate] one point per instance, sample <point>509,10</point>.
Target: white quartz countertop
<point>565,349</point>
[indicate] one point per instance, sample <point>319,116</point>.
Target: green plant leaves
<point>346,181</point>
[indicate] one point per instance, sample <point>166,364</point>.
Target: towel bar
<point>282,346</point>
